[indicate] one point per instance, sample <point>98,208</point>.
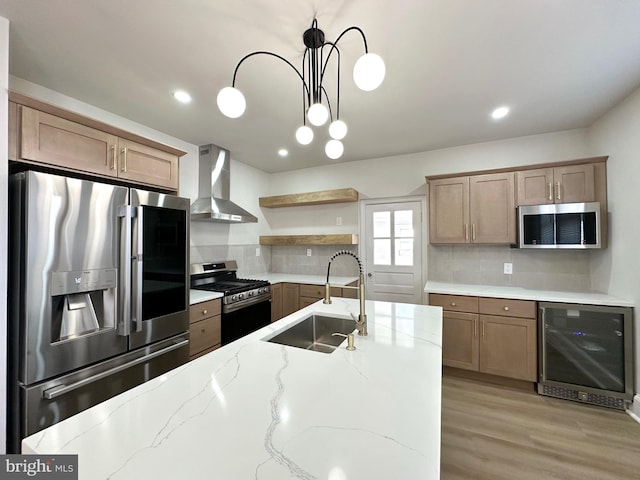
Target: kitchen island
<point>256,409</point>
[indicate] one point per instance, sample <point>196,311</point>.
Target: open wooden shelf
<point>336,239</point>
<point>310,198</point>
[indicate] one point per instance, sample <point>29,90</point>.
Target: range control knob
<point>233,298</point>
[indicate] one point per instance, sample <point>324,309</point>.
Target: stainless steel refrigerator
<point>98,294</point>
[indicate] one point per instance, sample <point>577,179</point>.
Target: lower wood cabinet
<point>287,298</point>
<point>204,327</point>
<point>489,335</point>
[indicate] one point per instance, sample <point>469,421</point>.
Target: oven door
<point>159,267</point>
<point>242,318</point>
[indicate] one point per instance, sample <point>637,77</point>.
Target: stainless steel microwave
<point>563,225</point>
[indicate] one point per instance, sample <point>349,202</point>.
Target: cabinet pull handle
<point>473,231</point>
<point>551,191</point>
<point>466,231</point>
<point>124,155</point>
<point>475,328</point>
<point>557,190</point>
<point>204,312</point>
<point>203,330</point>
<point>506,309</point>
<point>453,304</point>
<point>113,157</point>
<point>482,325</point>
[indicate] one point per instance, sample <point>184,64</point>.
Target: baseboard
<point>634,409</point>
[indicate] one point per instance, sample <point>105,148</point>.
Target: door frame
<point>423,225</point>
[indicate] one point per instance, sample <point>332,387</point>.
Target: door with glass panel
<point>393,251</point>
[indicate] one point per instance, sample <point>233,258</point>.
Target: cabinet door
<point>204,335</point>
<point>140,163</point>
<point>574,183</point>
<point>55,141</point>
<point>535,187</point>
<point>290,298</point>
<point>492,208</point>
<point>460,340</point>
<point>508,347</point>
<point>449,210</point>
<point>276,302</point>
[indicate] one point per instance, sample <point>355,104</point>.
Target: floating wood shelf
<point>337,239</point>
<point>310,198</point>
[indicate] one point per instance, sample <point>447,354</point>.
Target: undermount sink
<point>315,333</point>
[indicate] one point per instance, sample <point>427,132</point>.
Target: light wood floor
<point>494,432</point>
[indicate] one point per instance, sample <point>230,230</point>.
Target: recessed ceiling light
<point>283,152</point>
<point>499,113</point>
<point>182,96</point>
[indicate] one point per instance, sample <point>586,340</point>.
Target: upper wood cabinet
<point>472,209</point>
<point>563,184</point>
<point>88,146</point>
<point>140,163</point>
<point>55,141</point>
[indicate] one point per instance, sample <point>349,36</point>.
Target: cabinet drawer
<point>454,303</point>
<point>316,291</point>
<point>508,307</point>
<point>202,310</point>
<point>204,334</point>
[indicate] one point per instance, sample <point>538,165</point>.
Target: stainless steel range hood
<point>213,204</point>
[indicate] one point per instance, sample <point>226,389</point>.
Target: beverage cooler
<point>586,353</point>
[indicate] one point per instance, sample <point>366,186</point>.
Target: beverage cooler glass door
<point>159,266</point>
<point>588,346</point>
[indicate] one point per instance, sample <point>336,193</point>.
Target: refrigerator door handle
<point>59,390</point>
<point>139,273</point>
<point>124,320</point>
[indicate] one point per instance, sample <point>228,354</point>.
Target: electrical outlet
<point>308,252</point>
<point>257,251</point>
<point>338,220</point>
<point>508,268</point>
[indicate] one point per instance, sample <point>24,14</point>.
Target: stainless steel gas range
<point>246,303</point>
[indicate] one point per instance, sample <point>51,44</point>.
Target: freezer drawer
<point>49,402</point>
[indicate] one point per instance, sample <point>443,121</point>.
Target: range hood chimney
<point>213,204</point>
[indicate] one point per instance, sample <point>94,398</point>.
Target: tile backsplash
<point>566,270</point>
<point>248,263</point>
<point>279,259</point>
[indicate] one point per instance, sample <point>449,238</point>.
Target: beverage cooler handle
<point>542,348</point>
<point>124,323</point>
<point>139,269</point>
<point>59,390</point>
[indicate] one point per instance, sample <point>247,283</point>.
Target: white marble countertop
<point>197,296</point>
<point>259,410</point>
<point>301,278</point>
<point>526,294</point>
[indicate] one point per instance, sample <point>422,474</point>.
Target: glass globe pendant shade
<point>304,135</point>
<point>317,114</point>
<point>334,149</point>
<point>368,72</point>
<point>338,130</point>
<point>231,102</point>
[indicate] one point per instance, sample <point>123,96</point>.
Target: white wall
<point>617,269</point>
<point>405,175</point>
<point>4,88</point>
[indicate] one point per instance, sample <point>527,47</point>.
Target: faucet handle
<point>350,340</point>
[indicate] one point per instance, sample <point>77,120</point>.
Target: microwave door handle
<point>124,321</point>
<point>139,269</point>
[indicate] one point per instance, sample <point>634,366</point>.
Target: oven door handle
<point>59,390</point>
<point>233,307</point>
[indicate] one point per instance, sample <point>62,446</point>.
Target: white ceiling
<point>559,64</point>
